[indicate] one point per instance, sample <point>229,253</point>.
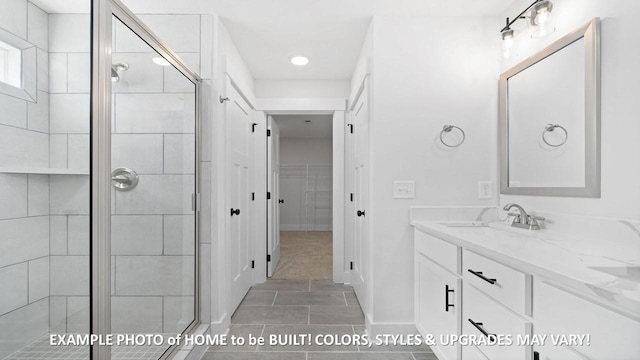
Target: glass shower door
<point>153,222</point>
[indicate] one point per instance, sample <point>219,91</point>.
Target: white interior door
<point>239,150</point>
<point>273,169</point>
<point>359,216</point>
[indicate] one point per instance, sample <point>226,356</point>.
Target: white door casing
<point>360,177</point>
<point>238,116</point>
<point>273,171</point>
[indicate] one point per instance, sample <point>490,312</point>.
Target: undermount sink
<point>631,273</point>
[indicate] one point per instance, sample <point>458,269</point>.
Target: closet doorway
<point>300,208</point>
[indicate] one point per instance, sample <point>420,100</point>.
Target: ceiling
<point>268,32</point>
<point>294,126</point>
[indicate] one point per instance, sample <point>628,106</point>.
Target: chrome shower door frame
<point>102,12</point>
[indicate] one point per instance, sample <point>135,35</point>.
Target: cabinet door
<point>435,289</point>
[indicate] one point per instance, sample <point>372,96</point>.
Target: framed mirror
<point>550,119</point>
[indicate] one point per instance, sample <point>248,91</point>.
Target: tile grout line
<point>274,298</point>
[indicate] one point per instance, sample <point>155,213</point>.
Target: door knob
<point>235,211</point>
<point>360,213</point>
<point>281,201</point>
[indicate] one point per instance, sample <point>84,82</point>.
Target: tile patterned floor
<point>289,307</point>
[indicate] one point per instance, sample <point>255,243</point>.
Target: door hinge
<point>268,132</point>
<point>351,197</point>
<point>253,264</point>
<point>268,195</point>
<point>253,196</point>
<point>253,127</point>
<point>350,128</point>
<point>195,202</point>
<point>351,265</point>
<point>268,258</point>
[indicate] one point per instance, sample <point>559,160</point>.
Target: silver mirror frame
<point>590,33</point>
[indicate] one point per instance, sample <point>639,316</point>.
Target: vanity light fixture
<point>538,20</point>
<point>160,61</point>
<point>299,60</point>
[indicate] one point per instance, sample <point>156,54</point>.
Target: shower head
<point>116,68</point>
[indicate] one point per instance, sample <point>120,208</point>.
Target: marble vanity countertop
<point>595,270</point>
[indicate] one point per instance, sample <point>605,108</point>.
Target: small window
<point>10,65</point>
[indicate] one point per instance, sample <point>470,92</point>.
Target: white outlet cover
<point>404,189</point>
<point>485,189</point>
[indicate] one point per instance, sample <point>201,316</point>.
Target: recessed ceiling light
<point>161,61</point>
<point>299,60</point>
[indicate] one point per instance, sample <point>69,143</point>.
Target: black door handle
<point>478,325</point>
<point>446,298</point>
<point>281,201</point>
<point>481,276</point>
<point>235,212</point>
<point>536,355</point>
<point>360,213</point>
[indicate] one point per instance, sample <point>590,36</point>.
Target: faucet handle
<point>533,222</point>
<point>517,218</point>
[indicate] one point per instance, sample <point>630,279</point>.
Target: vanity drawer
<point>439,251</point>
<point>494,319</point>
<point>470,352</point>
<point>613,336</point>
<point>507,285</point>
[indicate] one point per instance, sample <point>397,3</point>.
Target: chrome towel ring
<point>550,128</point>
<point>447,129</point>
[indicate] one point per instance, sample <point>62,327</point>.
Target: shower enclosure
<point>99,139</point>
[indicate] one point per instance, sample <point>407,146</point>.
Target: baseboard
<point>221,326</point>
<point>377,328</point>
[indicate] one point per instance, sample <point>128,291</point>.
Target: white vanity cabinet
<point>500,296</point>
<point>437,291</point>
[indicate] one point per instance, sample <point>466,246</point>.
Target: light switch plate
<point>404,189</point>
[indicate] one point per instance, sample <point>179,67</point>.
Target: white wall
<point>302,88</point>
<point>427,72</point>
<point>620,126</point>
<point>305,151</point>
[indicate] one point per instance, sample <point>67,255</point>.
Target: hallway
<point>305,255</point>
<point>305,307</point>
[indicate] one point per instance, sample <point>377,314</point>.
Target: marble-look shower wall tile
<point>14,284</point>
<point>38,113</point>
<point>23,239</point>
<point>43,70</point>
<point>57,73</point>
<point>178,313</point>
<point>179,153</point>
<point>23,148</point>
<point>14,111</point>
<point>140,152</point>
<point>69,275</point>
<point>79,73</point>
<point>154,275</point>
<point>58,235</point>
<point>58,148</point>
<point>69,113</point>
<point>38,197</point>
<point>78,314</point>
<point>78,151</point>
<point>58,314</point>
<point>155,113</point>
<point>23,326</point>
<point>69,195</point>
<point>136,235</point>
<point>158,194</point>
<point>13,192</point>
<point>69,33</point>
<point>131,314</point>
<point>79,236</point>
<point>179,231</point>
<point>38,279</point>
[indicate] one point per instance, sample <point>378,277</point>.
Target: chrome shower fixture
<point>115,71</point>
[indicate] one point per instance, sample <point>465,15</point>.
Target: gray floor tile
<point>271,315</point>
<point>352,300</point>
<point>328,285</point>
<point>359,356</point>
<point>310,298</point>
<point>210,355</point>
<point>336,315</point>
<point>259,297</point>
<point>283,285</point>
<point>359,329</point>
<point>397,348</point>
<point>425,356</point>
<point>284,330</point>
<point>240,331</point>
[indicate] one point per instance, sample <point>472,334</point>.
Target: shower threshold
<point>40,349</point>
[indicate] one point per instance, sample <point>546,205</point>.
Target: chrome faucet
<point>522,219</point>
